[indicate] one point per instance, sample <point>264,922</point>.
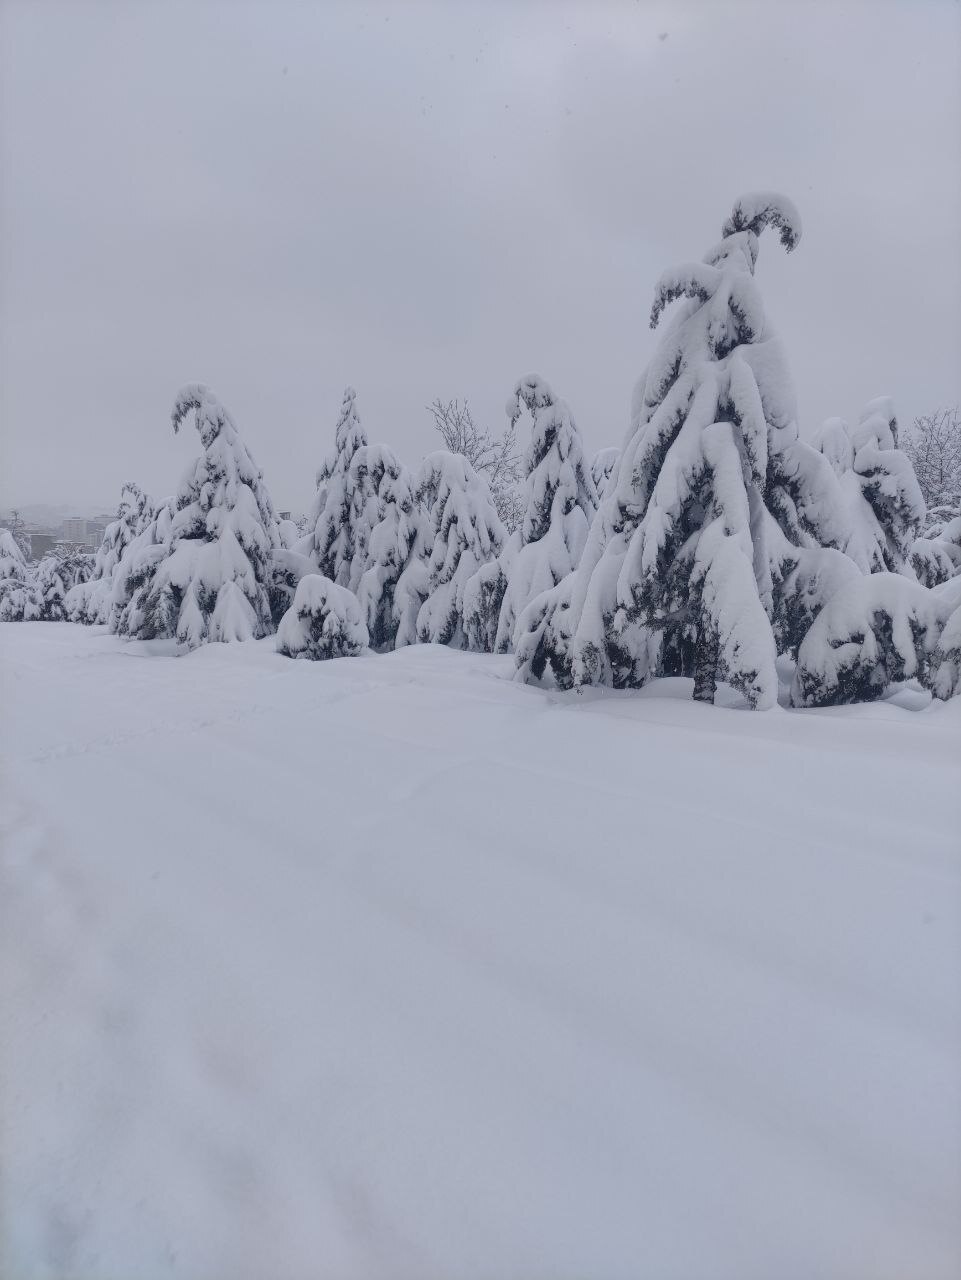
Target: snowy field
<point>392,967</point>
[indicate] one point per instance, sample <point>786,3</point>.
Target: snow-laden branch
<point>759,209</point>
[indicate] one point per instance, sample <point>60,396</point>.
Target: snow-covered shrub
<point>676,577</point>
<point>89,602</point>
<point>324,621</point>
<point>937,556</point>
<point>605,460</point>
<point>288,532</point>
<point>944,669</point>
<point>559,504</point>
<point>543,635</point>
<point>52,587</point>
<point>337,542</point>
<point>877,631</point>
<point>464,533</point>
<point>205,573</point>
<point>18,594</point>
<point>60,571</point>
<point>884,503</point>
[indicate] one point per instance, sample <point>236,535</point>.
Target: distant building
<point>75,530</point>
<point>283,515</point>
<point>84,533</point>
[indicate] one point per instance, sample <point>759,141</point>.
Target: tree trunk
<point>705,667</point>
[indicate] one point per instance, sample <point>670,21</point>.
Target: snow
<point>325,621</point>
<point>397,967</point>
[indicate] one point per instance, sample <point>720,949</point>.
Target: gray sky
<point>434,199</point>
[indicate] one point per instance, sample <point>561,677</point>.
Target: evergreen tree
<point>57,573</point>
<point>412,585</point>
<point>211,578</point>
<point>677,577</point>
<point>884,503</point>
<point>133,575</point>
<point>18,594</point>
<point>465,532</point>
<point>89,602</point>
<point>394,520</point>
<point>324,621</point>
<point>335,546</point>
<point>605,460</point>
<point>877,632</point>
<point>559,503</point>
<point>937,556</point>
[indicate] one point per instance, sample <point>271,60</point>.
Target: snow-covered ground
<point>392,967</point>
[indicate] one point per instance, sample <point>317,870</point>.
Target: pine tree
<point>394,520</point>
<point>133,575</point>
<point>57,573</point>
<point>605,460</point>
<point>334,546</point>
<point>936,557</point>
<point>559,503</point>
<point>677,577</point>
<point>465,532</point>
<point>884,502</point>
<point>879,631</point>
<point>89,602</point>
<point>324,621</point>
<point>19,601</point>
<point>211,577</point>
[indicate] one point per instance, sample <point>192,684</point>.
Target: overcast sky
<point>431,200</point>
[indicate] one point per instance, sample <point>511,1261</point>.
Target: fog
<point>431,200</point>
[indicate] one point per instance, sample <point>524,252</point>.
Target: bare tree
<point>933,444</point>
<point>20,535</point>
<point>495,457</point>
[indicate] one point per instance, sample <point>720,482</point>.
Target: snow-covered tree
<point>803,580</point>
<point>57,573</point>
<point>133,575</point>
<point>324,621</point>
<point>559,503</point>
<point>21,537</point>
<point>496,458</point>
<point>465,532</point>
<point>212,577</point>
<point>937,556</point>
<point>605,460</point>
<point>18,594</point>
<point>884,503</point>
<point>713,483</point>
<point>943,676</point>
<point>876,632</point>
<point>89,602</point>
<point>336,544</point>
<point>413,582</point>
<point>395,519</point>
<point>289,532</point>
<point>933,444</point>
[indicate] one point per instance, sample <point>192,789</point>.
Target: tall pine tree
<point>714,495</point>
<point>209,577</point>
